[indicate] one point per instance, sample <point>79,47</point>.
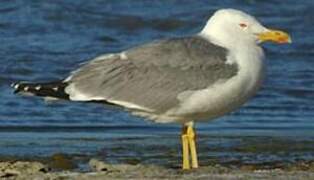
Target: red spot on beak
<point>282,40</point>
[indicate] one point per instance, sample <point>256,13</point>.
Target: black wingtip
<point>15,86</point>
<point>20,87</point>
<point>51,89</point>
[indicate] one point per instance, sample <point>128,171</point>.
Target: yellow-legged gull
<point>183,79</point>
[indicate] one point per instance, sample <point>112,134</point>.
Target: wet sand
<point>63,168</point>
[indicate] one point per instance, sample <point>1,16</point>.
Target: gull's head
<point>229,27</point>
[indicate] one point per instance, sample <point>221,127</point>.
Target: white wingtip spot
<point>15,86</point>
<point>26,88</point>
<point>55,88</point>
<point>38,87</point>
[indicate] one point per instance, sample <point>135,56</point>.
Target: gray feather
<point>153,75</point>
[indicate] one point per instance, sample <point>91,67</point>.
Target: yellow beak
<point>276,36</point>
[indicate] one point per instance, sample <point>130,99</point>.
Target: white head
<point>229,27</point>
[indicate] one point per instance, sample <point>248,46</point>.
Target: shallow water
<point>43,41</point>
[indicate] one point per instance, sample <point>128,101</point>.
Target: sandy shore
<point>100,170</point>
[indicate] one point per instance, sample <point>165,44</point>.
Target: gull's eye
<point>243,25</point>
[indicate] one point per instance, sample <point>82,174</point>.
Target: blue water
<point>45,40</point>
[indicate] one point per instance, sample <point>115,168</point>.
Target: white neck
<point>243,51</point>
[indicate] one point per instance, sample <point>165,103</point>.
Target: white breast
<point>228,95</point>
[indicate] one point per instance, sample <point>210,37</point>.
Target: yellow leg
<point>189,146</point>
<point>192,145</point>
<point>185,149</point>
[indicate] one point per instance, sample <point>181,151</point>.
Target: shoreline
<point>64,168</point>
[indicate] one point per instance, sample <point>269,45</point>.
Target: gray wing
<point>152,75</point>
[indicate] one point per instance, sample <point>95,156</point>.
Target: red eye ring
<point>243,25</point>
